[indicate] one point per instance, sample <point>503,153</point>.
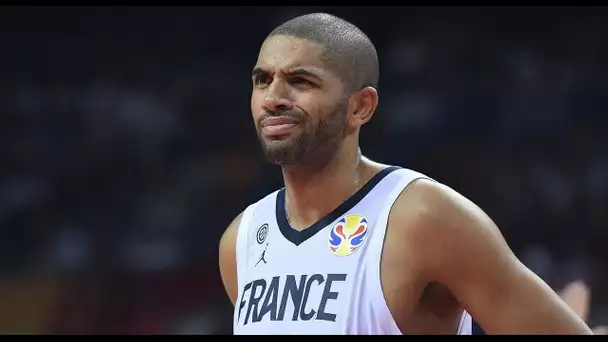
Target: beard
<point>325,135</point>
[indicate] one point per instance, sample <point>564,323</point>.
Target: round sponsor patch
<point>262,233</point>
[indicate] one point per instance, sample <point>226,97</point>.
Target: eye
<point>262,79</point>
<point>300,80</point>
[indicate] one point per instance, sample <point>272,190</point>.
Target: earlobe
<point>367,101</point>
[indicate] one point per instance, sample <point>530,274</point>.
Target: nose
<point>276,99</point>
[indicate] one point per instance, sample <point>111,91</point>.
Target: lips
<point>279,120</point>
<point>278,125</point>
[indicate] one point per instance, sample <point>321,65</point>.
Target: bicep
<point>227,259</point>
<point>472,259</point>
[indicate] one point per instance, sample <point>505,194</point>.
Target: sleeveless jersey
<point>324,279</point>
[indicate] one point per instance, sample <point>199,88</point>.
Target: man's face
<point>298,105</point>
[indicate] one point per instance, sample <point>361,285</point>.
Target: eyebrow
<point>296,72</point>
<point>258,71</point>
<point>302,72</point>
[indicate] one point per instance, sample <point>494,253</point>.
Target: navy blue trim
<point>477,330</point>
<point>298,236</point>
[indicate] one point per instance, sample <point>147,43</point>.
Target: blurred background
<point>128,147</point>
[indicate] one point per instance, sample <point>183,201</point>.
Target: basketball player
<point>351,246</point>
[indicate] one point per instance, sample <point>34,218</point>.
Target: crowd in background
<point>128,147</point>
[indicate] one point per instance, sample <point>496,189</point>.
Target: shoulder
<point>228,241</point>
<point>437,221</point>
<point>265,203</point>
<point>436,208</point>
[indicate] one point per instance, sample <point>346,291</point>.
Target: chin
<point>278,158</point>
<point>284,150</point>
<point>282,155</point>
<point>280,146</point>
<point>278,138</point>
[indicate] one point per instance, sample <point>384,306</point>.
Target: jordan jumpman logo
<point>263,256</point>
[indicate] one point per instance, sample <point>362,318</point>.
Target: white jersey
<point>324,279</point>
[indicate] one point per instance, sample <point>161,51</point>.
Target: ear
<point>363,105</point>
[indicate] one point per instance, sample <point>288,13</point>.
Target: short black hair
<point>348,51</point>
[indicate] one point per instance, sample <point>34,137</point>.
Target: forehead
<point>285,52</point>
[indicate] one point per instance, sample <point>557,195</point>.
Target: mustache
<point>288,113</point>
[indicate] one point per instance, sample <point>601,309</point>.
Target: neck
<point>316,188</point>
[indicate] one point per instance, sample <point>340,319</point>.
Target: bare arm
<point>465,251</point>
<point>227,258</point>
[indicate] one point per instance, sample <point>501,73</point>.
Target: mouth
<point>277,126</point>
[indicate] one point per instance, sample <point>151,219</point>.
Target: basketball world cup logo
<point>348,234</point>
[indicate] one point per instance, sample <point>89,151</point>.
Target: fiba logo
<point>347,235</point>
<point>262,233</point>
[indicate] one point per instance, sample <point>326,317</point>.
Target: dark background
<point>128,147</point>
